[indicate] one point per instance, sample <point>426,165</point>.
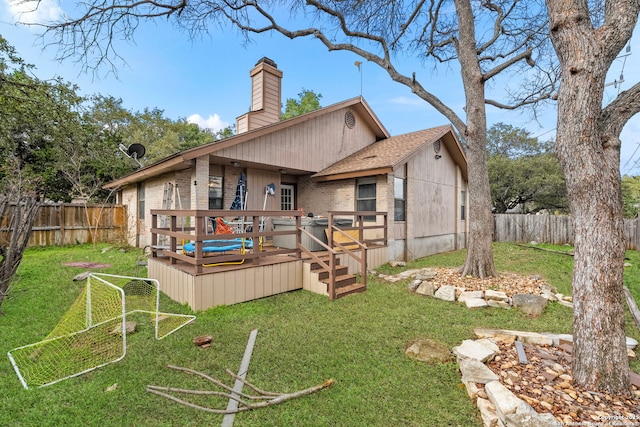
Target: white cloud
<point>213,122</point>
<point>35,11</point>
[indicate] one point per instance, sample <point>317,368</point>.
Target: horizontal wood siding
<point>242,124</point>
<point>271,101</point>
<point>554,229</point>
<point>257,88</point>
<point>304,147</point>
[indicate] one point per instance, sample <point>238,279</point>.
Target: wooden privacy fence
<point>67,224</point>
<point>554,229</point>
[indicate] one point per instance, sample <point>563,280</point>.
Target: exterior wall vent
<point>350,119</point>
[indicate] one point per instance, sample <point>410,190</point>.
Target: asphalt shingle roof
<point>385,153</point>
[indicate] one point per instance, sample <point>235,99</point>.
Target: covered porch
<point>204,269</point>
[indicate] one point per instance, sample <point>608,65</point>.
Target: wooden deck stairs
<point>317,279</point>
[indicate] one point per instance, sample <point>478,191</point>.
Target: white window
<point>141,198</point>
<point>366,197</point>
<point>215,192</point>
<point>399,190</point>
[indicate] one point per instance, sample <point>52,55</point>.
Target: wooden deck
<point>232,284</point>
<point>205,280</point>
<point>265,259</point>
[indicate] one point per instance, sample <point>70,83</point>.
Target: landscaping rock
<point>472,389</point>
<point>130,328</point>
<point>414,285</point>
<point>430,351</point>
<point>532,305</point>
<point>474,371</point>
<point>426,288</point>
<point>427,274</point>
<point>509,336</point>
<point>82,276</point>
<point>499,304</point>
<point>530,419</point>
<point>555,338</point>
<point>534,338</point>
<point>504,401</point>
<point>476,303</point>
<point>446,293</point>
<point>465,295</point>
<point>487,412</point>
<point>490,294</point>
<point>547,377</point>
<point>408,273</point>
<point>548,293</point>
<point>482,350</point>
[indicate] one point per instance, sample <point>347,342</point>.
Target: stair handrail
<point>330,268</point>
<point>345,249</point>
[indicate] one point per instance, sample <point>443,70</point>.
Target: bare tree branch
<point>266,398</point>
<point>626,105</point>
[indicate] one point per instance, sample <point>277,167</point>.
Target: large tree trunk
<point>479,260</point>
<point>590,157</point>
<point>593,185</point>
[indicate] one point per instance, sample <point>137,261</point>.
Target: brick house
<point>339,157</point>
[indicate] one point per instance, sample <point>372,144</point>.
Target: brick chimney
<point>265,97</point>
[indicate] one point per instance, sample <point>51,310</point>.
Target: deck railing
<point>341,240</point>
<point>195,226</point>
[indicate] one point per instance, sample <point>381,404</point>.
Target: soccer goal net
<point>93,332</point>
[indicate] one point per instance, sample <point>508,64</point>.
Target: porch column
<point>200,183</point>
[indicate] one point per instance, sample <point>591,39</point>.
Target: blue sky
<point>207,80</point>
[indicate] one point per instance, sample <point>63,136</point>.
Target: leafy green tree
<point>307,102</point>
<point>162,136</point>
<point>21,142</point>
<point>512,142</point>
<point>630,189</point>
<point>92,157</point>
<point>524,173</point>
<point>227,132</point>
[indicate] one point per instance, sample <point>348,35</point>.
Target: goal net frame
<point>99,312</point>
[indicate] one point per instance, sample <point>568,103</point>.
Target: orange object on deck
<point>222,227</point>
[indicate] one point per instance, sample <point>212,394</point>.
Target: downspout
<point>456,217</point>
<point>405,250</point>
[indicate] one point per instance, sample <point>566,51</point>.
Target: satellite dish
<point>136,151</point>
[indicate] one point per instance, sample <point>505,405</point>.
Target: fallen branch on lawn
<point>264,398</point>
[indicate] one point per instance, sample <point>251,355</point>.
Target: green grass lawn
<point>303,339</point>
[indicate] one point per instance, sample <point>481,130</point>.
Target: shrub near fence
<point>68,224</point>
<point>554,229</point>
